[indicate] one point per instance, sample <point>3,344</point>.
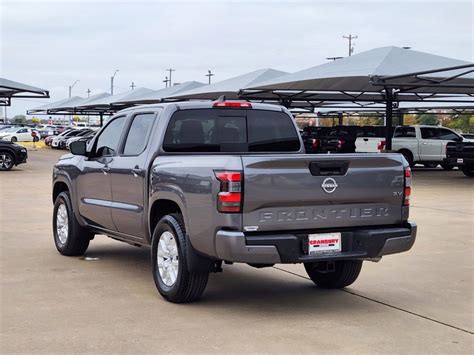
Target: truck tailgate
<point>290,192</point>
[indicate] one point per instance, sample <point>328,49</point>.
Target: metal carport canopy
<point>43,110</point>
<point>12,89</point>
<point>106,103</point>
<point>230,87</point>
<point>387,74</point>
<point>159,95</point>
<point>72,106</point>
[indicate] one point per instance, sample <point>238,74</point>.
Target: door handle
<point>136,171</point>
<point>105,170</point>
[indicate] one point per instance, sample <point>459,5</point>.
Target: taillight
<point>381,146</point>
<point>241,104</point>
<point>340,143</point>
<point>407,188</point>
<point>229,198</point>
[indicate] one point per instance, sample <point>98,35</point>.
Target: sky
<point>51,44</point>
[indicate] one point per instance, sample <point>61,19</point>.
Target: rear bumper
<point>290,247</point>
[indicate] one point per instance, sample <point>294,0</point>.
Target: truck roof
<point>187,105</point>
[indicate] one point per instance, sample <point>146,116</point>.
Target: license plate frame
<point>324,243</point>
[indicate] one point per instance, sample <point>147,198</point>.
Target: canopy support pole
<point>340,117</point>
<point>388,118</point>
<point>101,119</point>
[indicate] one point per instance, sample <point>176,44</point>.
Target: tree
<point>461,123</point>
<point>19,119</point>
<point>428,119</point>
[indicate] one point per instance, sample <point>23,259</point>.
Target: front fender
<point>62,176</point>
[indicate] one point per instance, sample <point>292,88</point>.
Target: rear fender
<point>176,196</point>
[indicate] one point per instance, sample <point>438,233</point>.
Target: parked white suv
<point>419,144</point>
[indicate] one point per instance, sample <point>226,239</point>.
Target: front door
<point>129,178</point>
<point>93,184</point>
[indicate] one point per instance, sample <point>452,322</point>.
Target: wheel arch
<point>9,150</point>
<point>409,152</point>
<point>58,187</point>
<point>162,205</point>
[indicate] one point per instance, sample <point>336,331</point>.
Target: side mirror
<point>78,148</point>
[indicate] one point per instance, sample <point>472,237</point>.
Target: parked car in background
<point>46,131</point>
<point>462,155</point>
<point>86,136</point>
<point>18,134</point>
<point>60,141</point>
<point>469,136</point>
<point>419,144</point>
<point>312,136</point>
<point>56,139</point>
<point>49,140</point>
<point>11,154</point>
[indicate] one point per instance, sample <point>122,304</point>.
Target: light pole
<point>171,71</point>
<point>166,81</point>
<point>112,82</point>
<point>209,74</point>
<point>88,92</point>
<point>71,86</point>
<point>351,47</point>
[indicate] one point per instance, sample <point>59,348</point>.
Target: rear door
<point>430,145</point>
<point>129,179</point>
<point>288,192</point>
<point>23,135</point>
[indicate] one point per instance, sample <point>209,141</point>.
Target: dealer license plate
<point>324,243</point>
<point>460,160</point>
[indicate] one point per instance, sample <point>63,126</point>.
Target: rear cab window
<point>230,130</point>
<point>405,132</point>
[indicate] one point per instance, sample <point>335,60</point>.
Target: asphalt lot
<point>417,302</point>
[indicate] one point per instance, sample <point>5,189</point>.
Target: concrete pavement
<point>417,302</point>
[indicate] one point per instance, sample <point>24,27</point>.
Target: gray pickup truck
<point>227,181</point>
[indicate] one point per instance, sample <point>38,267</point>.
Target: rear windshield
<point>230,130</point>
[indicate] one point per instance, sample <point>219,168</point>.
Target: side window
<point>447,135</point>
<point>137,135</point>
<point>405,132</point>
<point>429,133</point>
<point>23,130</point>
<point>108,140</point>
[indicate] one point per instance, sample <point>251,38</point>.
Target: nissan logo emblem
<point>329,185</point>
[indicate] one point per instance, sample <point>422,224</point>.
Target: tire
<point>7,161</point>
<point>408,156</point>
<point>468,171</point>
<point>13,140</point>
<point>173,280</point>
<point>345,273</point>
<point>72,239</point>
<point>447,167</point>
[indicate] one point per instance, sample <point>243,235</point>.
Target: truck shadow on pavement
<point>239,287</point>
